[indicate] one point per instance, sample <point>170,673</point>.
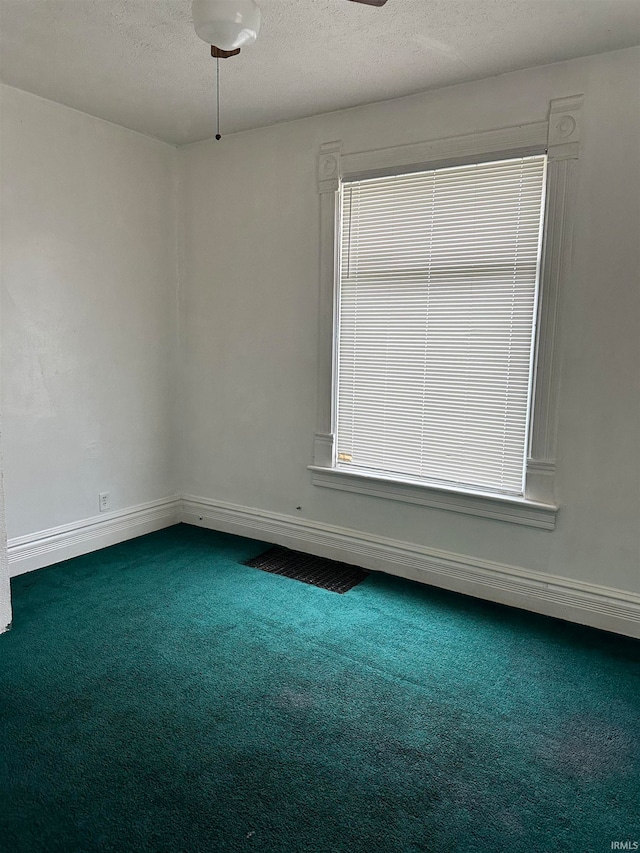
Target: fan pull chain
<point>218,136</point>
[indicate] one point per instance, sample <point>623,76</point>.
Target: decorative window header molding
<point>565,125</point>
<point>559,136</point>
<point>334,166</point>
<point>329,167</point>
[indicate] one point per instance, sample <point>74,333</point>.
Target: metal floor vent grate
<point>317,571</point>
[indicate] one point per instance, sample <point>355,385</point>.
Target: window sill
<point>502,507</point>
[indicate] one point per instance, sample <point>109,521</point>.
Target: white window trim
<point>559,136</point>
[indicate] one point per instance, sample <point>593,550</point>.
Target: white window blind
<point>437,300</point>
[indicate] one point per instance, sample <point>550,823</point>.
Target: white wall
<point>5,590</point>
<point>249,297</point>
<point>88,314</point>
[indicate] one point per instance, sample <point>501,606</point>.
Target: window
<point>437,290</point>
<point>439,344</point>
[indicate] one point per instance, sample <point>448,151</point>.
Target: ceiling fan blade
<point>370,2</point>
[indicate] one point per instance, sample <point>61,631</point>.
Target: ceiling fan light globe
<point>227,24</point>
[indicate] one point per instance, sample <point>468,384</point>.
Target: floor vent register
<point>317,571</point>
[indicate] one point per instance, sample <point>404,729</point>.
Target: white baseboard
<point>575,601</point>
<point>47,547</point>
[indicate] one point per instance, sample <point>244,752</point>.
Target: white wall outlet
<point>103,501</point>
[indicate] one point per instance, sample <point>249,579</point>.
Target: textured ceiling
<point>139,63</point>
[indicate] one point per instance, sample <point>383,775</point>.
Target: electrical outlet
<point>103,501</point>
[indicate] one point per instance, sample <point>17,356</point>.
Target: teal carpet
<point>159,696</point>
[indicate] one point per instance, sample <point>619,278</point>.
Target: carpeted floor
<point>160,696</point>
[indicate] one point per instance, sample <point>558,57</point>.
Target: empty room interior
<point>320,426</point>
